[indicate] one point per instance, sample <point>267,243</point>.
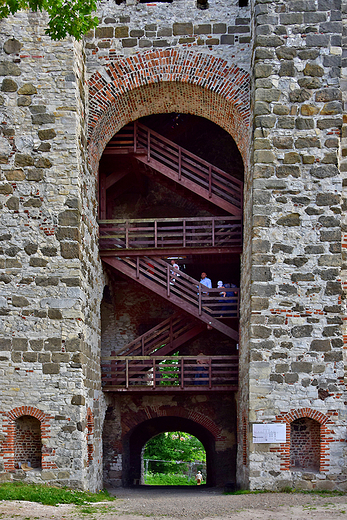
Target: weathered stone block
<point>322,172</point>
<point>78,400</point>
<point>301,366</point>
<point>7,68</point>
<point>281,110</point>
<point>42,119</point>
<point>325,123</point>
<point>304,124</point>
<point>105,32</point>
<point>312,69</point>
<point>327,199</point>
<point>292,219</point>
<point>14,175</point>
<point>19,301</point>
<point>22,159</point>
<point>299,95</point>
<point>333,356</point>
<point>309,82</point>
<point>50,368</point>
<point>35,174</point>
<point>30,357</point>
<point>53,344</point>
<point>8,85</point>
<point>283,142</point>
<point>60,357</point>
<point>328,94</point>
<point>45,135</point>
<point>70,250</point>
<point>287,68</point>
<point>320,345</point>
<point>20,344</point>
<point>28,89</point>
<point>55,314</point>
<point>261,274</point>
<point>302,331</point>
<point>13,203</point>
<point>181,29</point>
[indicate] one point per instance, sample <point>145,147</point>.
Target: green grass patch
<point>48,495</point>
<point>169,479</point>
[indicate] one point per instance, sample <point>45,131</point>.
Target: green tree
<point>66,17</point>
<point>175,446</point>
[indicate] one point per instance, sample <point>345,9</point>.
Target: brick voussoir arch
<point>27,410</point>
<point>164,81</point>
<point>291,416</point>
<point>155,412</point>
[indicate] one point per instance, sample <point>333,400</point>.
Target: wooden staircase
<point>181,290</point>
<point>164,338</point>
<point>178,164</point>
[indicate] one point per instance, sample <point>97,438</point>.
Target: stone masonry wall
<point>50,275</point>
<point>222,30</point>
<point>296,345</point>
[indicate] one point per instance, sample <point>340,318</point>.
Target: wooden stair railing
<point>158,233</point>
<point>167,373</point>
<point>181,290</point>
<point>164,338</point>
<point>177,163</point>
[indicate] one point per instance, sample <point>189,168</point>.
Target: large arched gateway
<point>174,141</point>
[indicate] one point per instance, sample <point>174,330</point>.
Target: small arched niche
<point>305,444</point>
<point>27,442</point>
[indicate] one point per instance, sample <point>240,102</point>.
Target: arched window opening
<point>305,444</point>
<point>174,458</point>
<point>27,444</point>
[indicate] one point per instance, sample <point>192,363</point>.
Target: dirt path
<point>194,503</point>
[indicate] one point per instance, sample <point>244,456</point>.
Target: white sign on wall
<point>269,433</point>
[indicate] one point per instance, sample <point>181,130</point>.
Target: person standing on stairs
<point>173,273</point>
<point>205,281</point>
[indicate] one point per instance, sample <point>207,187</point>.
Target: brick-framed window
<point>8,447</point>
<point>324,421</point>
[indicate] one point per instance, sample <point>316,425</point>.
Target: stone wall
<point>50,278</point>
<point>296,346</point>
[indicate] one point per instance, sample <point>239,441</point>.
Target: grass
<point>49,495</point>
<point>163,479</point>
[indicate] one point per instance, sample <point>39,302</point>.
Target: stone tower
<point>271,75</point>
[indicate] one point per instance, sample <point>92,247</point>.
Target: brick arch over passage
<point>167,81</point>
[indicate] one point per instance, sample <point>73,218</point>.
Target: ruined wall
<point>50,273</point>
<point>296,347</point>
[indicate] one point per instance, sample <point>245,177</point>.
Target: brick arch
<point>325,435</point>
<point>167,81</point>
<point>7,448</point>
<point>26,410</point>
<point>291,416</point>
<point>131,421</point>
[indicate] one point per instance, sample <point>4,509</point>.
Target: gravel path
<point>194,503</point>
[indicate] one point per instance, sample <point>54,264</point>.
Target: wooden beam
<point>115,177</point>
<point>177,251</point>
<point>102,188</point>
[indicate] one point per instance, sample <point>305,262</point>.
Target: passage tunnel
<point>219,469</point>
